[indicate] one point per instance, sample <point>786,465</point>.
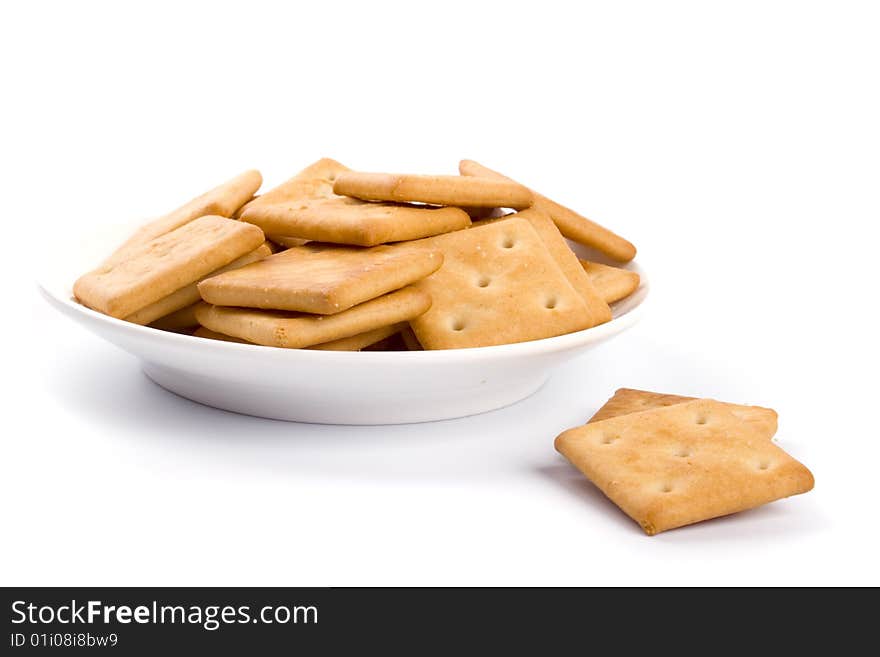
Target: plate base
<point>295,403</point>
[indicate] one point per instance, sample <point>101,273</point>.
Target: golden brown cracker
<point>572,225</point>
<point>627,400</point>
<point>612,283</point>
<point>568,262</point>
<point>315,181</point>
<point>434,190</point>
<point>166,264</point>
<point>677,465</point>
<point>189,294</point>
<point>320,278</point>
<point>299,330</point>
<point>498,285</point>
<point>350,221</point>
<point>222,201</point>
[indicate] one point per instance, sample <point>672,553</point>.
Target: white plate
<point>325,386</point>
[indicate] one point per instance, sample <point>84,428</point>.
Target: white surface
<point>737,147</point>
<point>329,387</point>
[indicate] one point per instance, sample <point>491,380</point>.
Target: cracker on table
<point>627,400</point>
<point>498,285</point>
<point>436,190</point>
<point>165,264</point>
<point>320,278</point>
<point>677,465</point>
<point>572,225</point>
<point>294,330</point>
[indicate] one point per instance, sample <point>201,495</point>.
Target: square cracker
<point>498,284</point>
<point>627,400</point>
<point>568,262</point>
<point>315,181</point>
<point>320,278</point>
<point>166,264</point>
<point>344,220</point>
<point>570,223</point>
<point>612,283</point>
<point>189,294</point>
<point>292,330</point>
<point>222,201</point>
<point>459,191</point>
<point>677,465</point>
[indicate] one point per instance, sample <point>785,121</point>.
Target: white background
<point>736,144</point>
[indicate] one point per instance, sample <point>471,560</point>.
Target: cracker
<point>566,259</point>
<point>203,332</point>
<point>350,221</point>
<point>320,278</point>
<point>361,340</point>
<point>572,225</point>
<point>498,285</point>
<point>435,190</point>
<point>189,294</point>
<point>674,466</point>
<point>612,283</point>
<point>627,400</point>
<point>298,330</point>
<point>166,264</point>
<point>315,181</point>
<point>222,201</point>
<point>410,340</point>
<point>180,319</point>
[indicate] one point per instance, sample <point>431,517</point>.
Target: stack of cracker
<point>370,261</point>
<point>669,461</point>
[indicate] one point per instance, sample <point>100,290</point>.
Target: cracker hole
<point>609,438</point>
<point>702,419</point>
<point>550,303</point>
<point>666,488</point>
<point>507,243</point>
<point>457,325</point>
<point>763,465</point>
<point>683,453</point>
<point>483,281</point>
